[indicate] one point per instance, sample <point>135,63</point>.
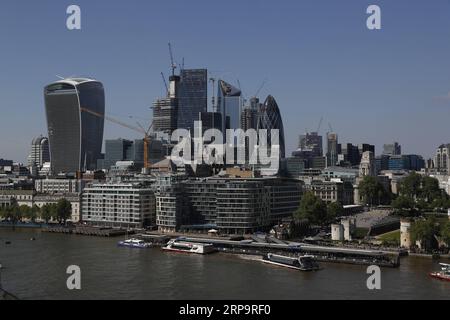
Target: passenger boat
<point>302,263</point>
<point>444,274</point>
<point>187,247</point>
<point>134,243</point>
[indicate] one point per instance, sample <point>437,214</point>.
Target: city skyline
<point>396,78</point>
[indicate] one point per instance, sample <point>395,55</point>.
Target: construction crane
<point>172,60</point>
<point>140,129</point>
<point>260,88</point>
<point>165,83</point>
<point>320,125</point>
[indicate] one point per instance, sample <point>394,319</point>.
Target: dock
<point>322,253</point>
<point>87,231</point>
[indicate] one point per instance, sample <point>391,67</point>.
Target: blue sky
<point>318,56</point>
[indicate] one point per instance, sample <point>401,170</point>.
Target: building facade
<point>193,97</point>
<point>75,136</point>
<point>126,205</point>
<point>40,152</point>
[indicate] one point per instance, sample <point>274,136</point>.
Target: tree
<point>312,209</point>
<point>404,204</point>
<point>34,213</point>
<point>410,186</point>
<point>47,212</point>
<point>25,211</point>
<point>63,210</point>
<point>445,232</point>
<point>334,210</point>
<point>371,189</point>
<point>424,231</point>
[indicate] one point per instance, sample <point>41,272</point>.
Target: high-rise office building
<point>193,97</point>
<point>312,141</point>
<point>441,160</point>
<point>270,118</point>
<point>40,152</point>
<point>229,103</point>
<point>332,149</point>
<point>75,136</point>
<point>394,149</point>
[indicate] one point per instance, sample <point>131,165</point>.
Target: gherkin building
<point>270,118</point>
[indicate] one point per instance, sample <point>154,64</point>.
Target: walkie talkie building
<point>75,136</point>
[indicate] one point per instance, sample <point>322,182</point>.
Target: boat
<point>187,247</point>
<point>444,274</point>
<point>302,263</point>
<point>134,243</point>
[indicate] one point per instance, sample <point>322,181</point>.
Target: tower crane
<point>165,83</point>
<point>147,139</point>
<point>172,60</point>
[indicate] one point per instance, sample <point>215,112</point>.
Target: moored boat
<point>134,243</point>
<point>187,247</point>
<point>302,263</point>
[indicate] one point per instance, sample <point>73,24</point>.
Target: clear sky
<point>318,56</point>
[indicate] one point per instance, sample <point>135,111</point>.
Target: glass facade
<point>75,137</point>
<point>193,97</point>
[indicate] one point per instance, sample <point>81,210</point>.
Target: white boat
<point>302,263</point>
<point>134,243</point>
<point>444,274</point>
<point>187,247</point>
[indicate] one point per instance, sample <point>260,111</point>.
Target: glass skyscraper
<point>193,97</point>
<point>270,118</point>
<point>75,136</point>
<point>229,104</point>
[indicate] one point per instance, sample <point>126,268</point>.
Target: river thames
<point>37,270</point>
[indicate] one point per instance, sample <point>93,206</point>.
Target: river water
<point>37,270</point>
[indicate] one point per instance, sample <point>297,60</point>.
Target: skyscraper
<point>392,149</point>
<point>40,152</point>
<point>270,118</point>
<point>75,136</point>
<point>312,141</point>
<point>193,97</point>
<point>229,103</point>
<point>332,149</point>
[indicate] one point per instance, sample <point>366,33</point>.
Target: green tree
<point>47,212</point>
<point>312,209</point>
<point>334,210</point>
<point>404,204</point>
<point>63,210</point>
<point>424,231</point>
<point>411,185</point>
<point>371,190</point>
<point>25,211</point>
<point>430,190</point>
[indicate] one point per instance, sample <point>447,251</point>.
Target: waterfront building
<point>40,152</point>
<point>171,208</point>
<point>75,136</point>
<point>74,198</point>
<point>126,205</point>
<point>241,204</point>
<point>59,186</point>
